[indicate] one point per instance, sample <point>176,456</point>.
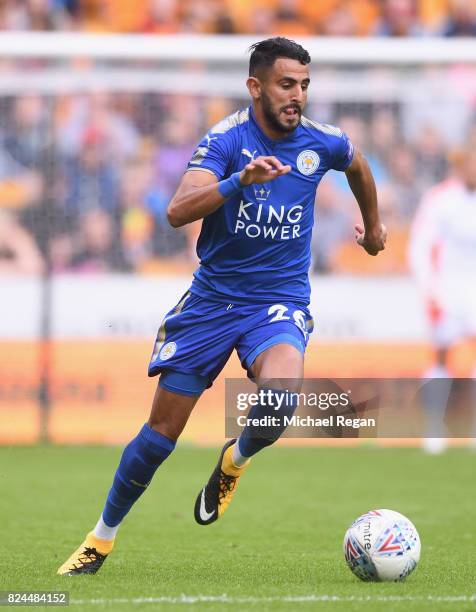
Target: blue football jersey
<point>256,246</point>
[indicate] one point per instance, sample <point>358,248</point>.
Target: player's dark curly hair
<point>266,52</point>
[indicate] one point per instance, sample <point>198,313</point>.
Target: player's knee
<point>174,401</point>
<point>166,427</point>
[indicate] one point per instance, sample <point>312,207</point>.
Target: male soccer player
<point>442,255</point>
<point>252,180</point>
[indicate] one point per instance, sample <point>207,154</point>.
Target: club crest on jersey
<point>168,351</point>
<point>261,193</point>
<point>308,162</point>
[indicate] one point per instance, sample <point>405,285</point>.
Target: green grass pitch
<point>279,546</point>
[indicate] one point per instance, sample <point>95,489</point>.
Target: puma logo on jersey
<point>248,154</point>
<point>210,138</point>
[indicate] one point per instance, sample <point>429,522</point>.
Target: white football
<point>382,545</point>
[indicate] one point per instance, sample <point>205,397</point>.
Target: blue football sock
<point>255,438</point>
<point>139,461</point>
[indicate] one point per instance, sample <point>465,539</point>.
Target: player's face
<point>283,94</point>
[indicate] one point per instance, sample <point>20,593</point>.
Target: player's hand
<point>371,241</point>
<point>263,169</point>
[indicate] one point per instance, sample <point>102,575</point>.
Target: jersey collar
<point>270,141</point>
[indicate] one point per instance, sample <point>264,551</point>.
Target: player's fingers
<point>261,162</point>
<point>261,159</point>
<point>281,171</point>
<point>274,173</point>
<point>274,161</point>
<point>359,228</point>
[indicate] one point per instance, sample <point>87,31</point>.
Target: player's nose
<point>297,94</point>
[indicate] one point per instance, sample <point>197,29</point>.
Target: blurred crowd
<point>290,17</point>
<point>85,180</point>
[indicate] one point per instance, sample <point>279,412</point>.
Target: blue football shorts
<point>198,335</point>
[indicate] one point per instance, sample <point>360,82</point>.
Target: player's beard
<point>273,118</point>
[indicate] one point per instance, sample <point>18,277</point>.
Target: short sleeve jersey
<point>257,246</point>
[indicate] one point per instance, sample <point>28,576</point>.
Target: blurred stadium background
<point>101,106</point>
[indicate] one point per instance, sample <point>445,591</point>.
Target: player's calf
<point>266,421</point>
<point>139,462</point>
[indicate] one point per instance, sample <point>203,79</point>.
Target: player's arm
<point>373,234</point>
<point>200,193</point>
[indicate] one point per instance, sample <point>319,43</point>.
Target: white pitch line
<point>228,599</point>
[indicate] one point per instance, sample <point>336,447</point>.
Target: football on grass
<point>382,545</point>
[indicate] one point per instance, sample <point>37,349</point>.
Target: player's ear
<point>254,87</point>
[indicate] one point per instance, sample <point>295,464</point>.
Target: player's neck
<point>267,129</point>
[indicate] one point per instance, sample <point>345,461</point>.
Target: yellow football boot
<point>88,558</point>
<point>216,495</point>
